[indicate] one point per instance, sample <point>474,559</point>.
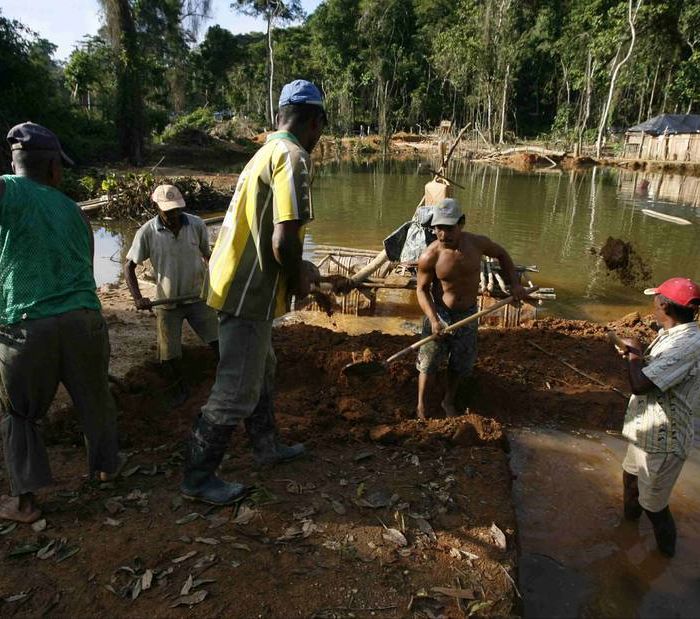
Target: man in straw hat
<point>177,244</point>
<point>665,383</point>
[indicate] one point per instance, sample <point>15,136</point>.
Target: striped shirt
<point>245,280</point>
<point>661,421</point>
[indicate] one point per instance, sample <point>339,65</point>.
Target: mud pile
<point>622,259</point>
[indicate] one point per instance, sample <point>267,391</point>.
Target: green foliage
<point>130,194</point>
<point>201,119</point>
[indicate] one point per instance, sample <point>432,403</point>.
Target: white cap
<point>168,197</point>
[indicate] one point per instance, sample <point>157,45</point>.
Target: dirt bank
<point>382,512</point>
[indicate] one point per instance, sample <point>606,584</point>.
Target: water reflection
<point>548,218</point>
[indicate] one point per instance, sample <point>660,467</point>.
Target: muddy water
<point>579,558</point>
<point>550,219</point>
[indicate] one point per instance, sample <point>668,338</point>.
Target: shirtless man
<point>448,282</point>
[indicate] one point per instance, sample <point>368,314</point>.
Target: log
<point>365,272</point>
<point>539,150</point>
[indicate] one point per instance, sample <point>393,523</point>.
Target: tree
<point>89,71</point>
<point>121,28</point>
<point>618,63</point>
<point>274,12</point>
<point>215,57</point>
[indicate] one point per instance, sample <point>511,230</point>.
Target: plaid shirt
<point>661,421</point>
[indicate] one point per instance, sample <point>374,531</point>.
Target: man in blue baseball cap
<point>51,326</point>
<point>256,264</point>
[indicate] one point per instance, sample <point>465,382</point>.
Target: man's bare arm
<point>494,250</point>
<point>132,283</point>
<point>91,236</point>
<point>287,249</point>
<point>425,279</point>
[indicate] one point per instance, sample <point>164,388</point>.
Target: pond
<point>552,219</point>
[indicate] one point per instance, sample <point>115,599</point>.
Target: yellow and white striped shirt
<point>661,421</point>
<point>245,279</point>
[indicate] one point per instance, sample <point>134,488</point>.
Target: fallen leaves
<point>302,530</point>
<point>190,600</point>
<point>245,514</point>
<point>395,536</point>
<point>498,537</point>
<point>184,557</point>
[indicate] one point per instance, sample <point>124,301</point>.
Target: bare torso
<point>457,272</point>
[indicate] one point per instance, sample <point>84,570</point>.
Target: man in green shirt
<point>51,327</point>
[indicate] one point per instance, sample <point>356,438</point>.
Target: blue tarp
<point>669,123</point>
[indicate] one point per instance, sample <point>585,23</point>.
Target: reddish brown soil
<point>371,465</point>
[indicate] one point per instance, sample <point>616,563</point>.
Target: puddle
<point>579,558</point>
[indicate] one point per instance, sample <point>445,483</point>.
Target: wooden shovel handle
<point>458,324</point>
<point>174,300</point>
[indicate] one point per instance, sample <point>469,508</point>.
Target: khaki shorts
<point>200,317</point>
<point>656,475</point>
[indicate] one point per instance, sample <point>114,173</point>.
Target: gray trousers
<point>245,376</point>
<point>35,355</point>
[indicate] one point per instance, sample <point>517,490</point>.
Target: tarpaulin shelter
<point>667,137</point>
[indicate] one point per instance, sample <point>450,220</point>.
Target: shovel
<point>175,300</point>
<point>368,368</point>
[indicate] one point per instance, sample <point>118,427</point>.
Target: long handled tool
<point>174,300</point>
<point>367,368</point>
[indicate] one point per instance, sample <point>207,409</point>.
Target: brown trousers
<point>35,355</point>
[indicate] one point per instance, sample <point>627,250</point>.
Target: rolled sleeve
<point>140,250</point>
<point>291,185</point>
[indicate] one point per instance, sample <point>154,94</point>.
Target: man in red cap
<point>665,383</point>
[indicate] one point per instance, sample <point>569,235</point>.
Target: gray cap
<point>447,213</point>
<point>30,136</point>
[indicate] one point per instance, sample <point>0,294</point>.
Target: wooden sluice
<point>362,301</point>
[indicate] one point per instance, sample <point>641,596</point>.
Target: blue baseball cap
<point>300,91</point>
<point>31,136</point>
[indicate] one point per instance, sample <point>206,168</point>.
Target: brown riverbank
<point>318,541</point>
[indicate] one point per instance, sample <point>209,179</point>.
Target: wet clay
<point>622,259</point>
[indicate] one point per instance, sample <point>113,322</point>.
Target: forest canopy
<point>511,68</point>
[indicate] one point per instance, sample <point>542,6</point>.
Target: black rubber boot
<point>205,451</point>
<point>262,431</point>
<point>633,510</point>
<point>664,530</point>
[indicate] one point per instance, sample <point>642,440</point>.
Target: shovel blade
<point>365,368</point>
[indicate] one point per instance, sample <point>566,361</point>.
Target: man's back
<point>45,253</point>
<point>245,279</point>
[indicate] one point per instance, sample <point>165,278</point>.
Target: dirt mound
<point>622,259</point>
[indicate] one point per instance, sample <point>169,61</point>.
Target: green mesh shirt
<point>45,253</point>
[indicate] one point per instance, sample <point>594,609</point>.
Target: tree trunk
<point>503,104</point>
<point>129,94</point>
<point>272,67</point>
<point>653,90</point>
<point>590,69</point>
<point>631,18</point>
<point>668,85</point>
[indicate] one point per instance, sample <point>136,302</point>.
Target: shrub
<point>201,119</point>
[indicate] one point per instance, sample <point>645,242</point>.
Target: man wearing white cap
<point>177,245</point>
<point>665,383</point>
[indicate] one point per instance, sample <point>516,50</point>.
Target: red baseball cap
<point>680,290</point>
